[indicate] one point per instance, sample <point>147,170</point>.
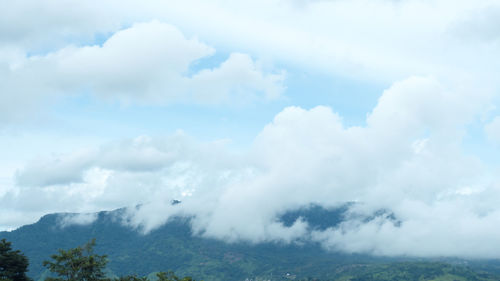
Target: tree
<point>132,278</point>
<point>78,264</point>
<point>13,264</point>
<point>170,276</point>
<point>81,264</point>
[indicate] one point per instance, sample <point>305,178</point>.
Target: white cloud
<point>66,220</point>
<point>142,154</point>
<point>381,40</point>
<point>374,40</point>
<point>365,40</point>
<point>243,76</point>
<point>408,158</point>
<point>400,161</point>
<point>43,172</point>
<point>43,25</point>
<point>445,228</point>
<point>147,63</point>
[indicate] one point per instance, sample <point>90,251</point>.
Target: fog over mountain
<point>247,111</point>
<point>174,246</point>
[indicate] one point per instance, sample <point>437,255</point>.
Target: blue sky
<point>353,100</point>
<point>246,109</point>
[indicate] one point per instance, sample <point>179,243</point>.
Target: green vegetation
<point>173,246</point>
<point>82,264</point>
<point>122,251</point>
<point>13,264</point>
<point>417,271</point>
<point>78,264</point>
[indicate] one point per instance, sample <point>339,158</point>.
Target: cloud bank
<point>400,161</point>
<point>147,63</point>
<point>438,58</point>
<point>51,48</point>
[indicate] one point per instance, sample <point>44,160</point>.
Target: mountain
<point>173,247</point>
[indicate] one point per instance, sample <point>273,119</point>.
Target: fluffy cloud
<point>52,48</point>
<point>48,24</point>
<point>369,40</point>
<point>77,219</point>
<point>44,172</point>
<point>408,158</point>
<point>242,76</point>
<point>400,161</point>
<point>146,63</point>
<point>121,173</point>
<point>376,40</point>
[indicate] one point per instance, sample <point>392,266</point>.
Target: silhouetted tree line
<point>77,264</point>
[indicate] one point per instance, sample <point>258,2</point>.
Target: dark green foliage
<point>81,264</point>
<point>78,264</point>
<point>131,278</point>
<point>411,271</point>
<point>13,264</point>
<point>170,276</point>
<point>160,276</point>
<point>316,216</point>
<point>173,246</point>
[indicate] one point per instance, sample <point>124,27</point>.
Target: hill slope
<point>172,247</point>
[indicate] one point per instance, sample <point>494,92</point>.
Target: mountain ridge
<point>174,247</point>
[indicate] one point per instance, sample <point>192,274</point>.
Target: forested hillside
<point>172,247</point>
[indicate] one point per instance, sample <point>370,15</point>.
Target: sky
<point>244,110</point>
